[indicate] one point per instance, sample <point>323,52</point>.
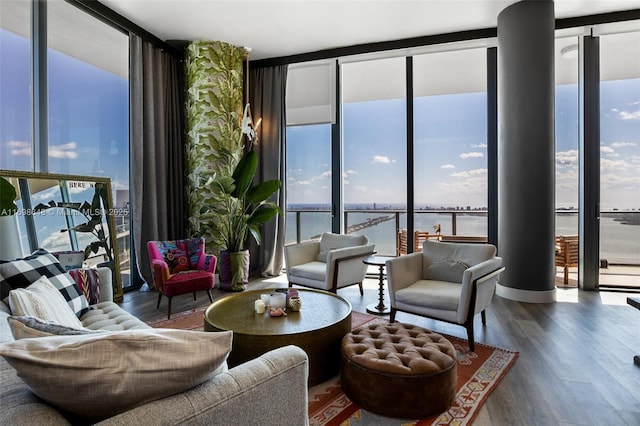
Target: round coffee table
<point>317,328</point>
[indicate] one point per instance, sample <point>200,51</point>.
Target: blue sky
<point>450,151</point>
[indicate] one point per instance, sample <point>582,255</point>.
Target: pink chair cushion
<point>188,282</point>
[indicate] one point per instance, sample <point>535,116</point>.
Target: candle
<point>259,307</point>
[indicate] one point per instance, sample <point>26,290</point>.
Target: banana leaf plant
<point>243,207</point>
<point>95,220</point>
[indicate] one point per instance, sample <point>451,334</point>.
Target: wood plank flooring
<point>576,355</point>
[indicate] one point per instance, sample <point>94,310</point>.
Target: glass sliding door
<point>620,160</point>
<point>374,144</point>
<point>450,143</point>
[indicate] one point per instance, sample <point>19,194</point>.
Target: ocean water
<point>619,242</point>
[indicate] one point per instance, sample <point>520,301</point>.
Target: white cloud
<point>478,145</point>
<point>633,115</point>
<point>607,150</point>
<point>447,166</point>
<point>325,175</point>
<point>66,150</point>
<point>303,182</point>
<point>381,159</point>
<point>361,188</point>
<point>470,173</point>
<point>466,155</point>
<point>623,144</point>
<point>567,158</point>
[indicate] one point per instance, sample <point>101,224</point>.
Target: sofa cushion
<point>312,270</point>
<point>95,376</point>
<point>25,327</point>
<point>20,273</point>
<point>110,316</point>
<point>42,300</point>
<point>88,281</point>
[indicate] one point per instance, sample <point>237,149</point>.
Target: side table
<point>635,302</point>
<point>380,262</point>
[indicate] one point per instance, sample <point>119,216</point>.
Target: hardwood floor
<point>576,355</point>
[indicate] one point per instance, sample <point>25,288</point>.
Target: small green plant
<point>8,194</point>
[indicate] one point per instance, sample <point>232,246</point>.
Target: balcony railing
<point>619,231</point>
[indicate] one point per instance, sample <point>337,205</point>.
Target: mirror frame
<point>17,174</point>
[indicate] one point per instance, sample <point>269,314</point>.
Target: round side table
<point>378,261</point>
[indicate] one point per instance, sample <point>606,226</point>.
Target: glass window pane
<point>567,135</point>
<point>15,81</point>
<point>450,142</point>
<point>308,181</point>
<point>374,149</point>
<point>89,107</point>
<point>620,148</point>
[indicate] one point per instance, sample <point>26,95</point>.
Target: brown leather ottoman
<point>398,370</point>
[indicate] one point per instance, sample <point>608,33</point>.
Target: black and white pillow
<point>20,273</point>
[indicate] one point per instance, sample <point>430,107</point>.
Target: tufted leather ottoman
<point>398,370</point>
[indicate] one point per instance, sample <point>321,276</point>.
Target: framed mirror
<point>61,213</point>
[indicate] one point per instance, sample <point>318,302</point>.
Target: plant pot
<point>234,270</point>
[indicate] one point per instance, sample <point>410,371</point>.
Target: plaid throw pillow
<point>20,273</point>
<point>88,281</point>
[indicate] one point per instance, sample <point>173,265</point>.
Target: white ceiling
<point>282,28</point>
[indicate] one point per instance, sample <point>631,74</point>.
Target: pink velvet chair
<point>181,267</point>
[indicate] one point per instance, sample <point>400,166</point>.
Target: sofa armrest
<point>271,389</point>
<point>105,277</point>
<point>298,254</point>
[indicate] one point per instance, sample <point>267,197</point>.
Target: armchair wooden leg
<point>210,296</point>
<point>159,298</point>
<point>169,309</point>
<point>194,296</point>
<point>469,327</point>
<point>361,288</point>
<point>392,315</point>
<point>290,284</point>
<point>483,314</point>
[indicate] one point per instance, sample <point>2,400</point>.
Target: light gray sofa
<point>270,389</point>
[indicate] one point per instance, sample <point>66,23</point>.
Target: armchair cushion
<point>329,241</point>
<point>313,270</point>
<point>443,295</point>
<point>446,270</point>
<point>174,255</point>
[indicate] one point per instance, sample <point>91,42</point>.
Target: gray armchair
<point>333,262</point>
<point>449,282</point>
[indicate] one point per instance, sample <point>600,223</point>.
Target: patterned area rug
<point>479,373</point>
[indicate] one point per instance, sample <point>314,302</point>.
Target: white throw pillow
<point>42,300</point>
<point>31,327</point>
<point>95,376</point>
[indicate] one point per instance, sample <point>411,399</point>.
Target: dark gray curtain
<point>157,179</point>
<point>267,89</point>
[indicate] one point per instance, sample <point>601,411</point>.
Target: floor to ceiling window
<point>15,90</point>
<point>310,115</point>
<point>620,157</point>
<point>374,149</point>
<point>450,142</point>
<point>567,132</point>
<point>88,113</point>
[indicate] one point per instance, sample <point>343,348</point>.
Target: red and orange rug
<point>479,373</point>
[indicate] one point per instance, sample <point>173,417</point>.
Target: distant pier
<point>369,223</point>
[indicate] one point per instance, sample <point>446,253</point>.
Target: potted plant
<point>240,213</point>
